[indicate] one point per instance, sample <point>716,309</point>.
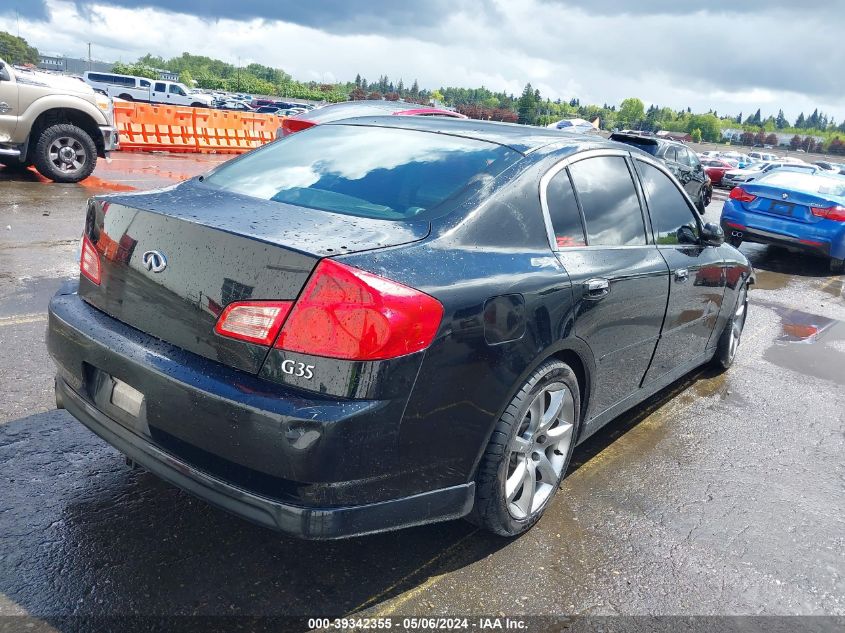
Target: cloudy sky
<point>732,55</point>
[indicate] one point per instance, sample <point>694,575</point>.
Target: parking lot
<point>723,494</point>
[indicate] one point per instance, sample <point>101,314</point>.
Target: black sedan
<point>390,321</point>
<point>681,161</point>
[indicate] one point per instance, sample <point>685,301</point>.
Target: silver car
<point>736,177</point>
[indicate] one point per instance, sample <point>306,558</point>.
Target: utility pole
<point>90,65</point>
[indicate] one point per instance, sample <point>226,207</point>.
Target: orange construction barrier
<point>150,127</point>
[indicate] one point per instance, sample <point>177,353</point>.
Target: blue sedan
<point>805,211</point>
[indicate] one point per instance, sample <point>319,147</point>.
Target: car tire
<point>197,104</point>
<point>837,266</point>
<point>65,153</point>
<point>736,242</point>
<point>731,335</point>
<point>528,452</point>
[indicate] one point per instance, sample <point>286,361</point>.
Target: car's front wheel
<point>529,451</point>
<point>65,153</point>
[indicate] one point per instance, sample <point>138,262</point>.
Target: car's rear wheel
<point>528,452</point>
<point>65,153</point>
<point>837,266</point>
<point>731,335</point>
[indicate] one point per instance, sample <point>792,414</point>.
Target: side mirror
<point>712,234</point>
<point>4,73</point>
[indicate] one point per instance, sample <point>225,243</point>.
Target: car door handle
<point>596,289</point>
<point>681,275</point>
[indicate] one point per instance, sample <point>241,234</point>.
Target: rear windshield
<point>807,183</point>
<point>643,144</point>
<point>371,172</point>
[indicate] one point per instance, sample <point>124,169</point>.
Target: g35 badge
<point>300,370</point>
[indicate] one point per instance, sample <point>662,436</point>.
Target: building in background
<point>71,65</point>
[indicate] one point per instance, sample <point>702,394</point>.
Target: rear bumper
<point>309,466</point>
<point>303,522</point>
<point>826,238</point>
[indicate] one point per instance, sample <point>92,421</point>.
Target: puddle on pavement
<point>809,344</point>
<point>770,280</point>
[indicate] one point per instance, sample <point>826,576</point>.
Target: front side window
<point>671,216</point>
<point>176,90</point>
<point>334,168</point>
<point>609,201</point>
<point>563,211</point>
<point>160,87</point>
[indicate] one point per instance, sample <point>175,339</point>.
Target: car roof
<point>522,138</point>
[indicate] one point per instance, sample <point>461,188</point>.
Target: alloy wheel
<point>539,449</point>
<point>737,324</point>
<point>67,154</point>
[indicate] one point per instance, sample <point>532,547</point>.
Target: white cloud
<point>730,62</point>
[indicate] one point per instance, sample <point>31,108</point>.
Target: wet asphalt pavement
<point>724,494</point>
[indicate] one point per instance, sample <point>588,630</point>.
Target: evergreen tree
<point>358,80</point>
<point>800,122</point>
<point>781,122</point>
<point>415,89</point>
<point>527,107</point>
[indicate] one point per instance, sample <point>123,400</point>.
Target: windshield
<point>807,183</point>
<point>336,168</point>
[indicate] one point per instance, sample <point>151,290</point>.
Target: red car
<point>349,109</point>
<point>716,168</point>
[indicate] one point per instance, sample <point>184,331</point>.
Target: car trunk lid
<point>216,248</point>
<point>790,205</point>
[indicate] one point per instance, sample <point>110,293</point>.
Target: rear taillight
<point>836,212</point>
<point>738,193</point>
<point>347,313</point>
<point>89,261</point>
<point>291,125</point>
<point>253,321</point>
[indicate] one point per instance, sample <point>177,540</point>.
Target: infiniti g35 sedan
<point>384,322</point>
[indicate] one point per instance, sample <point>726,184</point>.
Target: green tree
<point>631,112</point>
<point>527,106</point>
<point>138,70</point>
<point>696,135</point>
<point>16,50</point>
<point>781,122</point>
<point>186,78</point>
<point>800,122</point>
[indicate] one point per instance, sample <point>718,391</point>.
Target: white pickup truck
<point>132,88</point>
<point>59,124</point>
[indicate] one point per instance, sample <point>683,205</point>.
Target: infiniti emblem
<point>154,261</point>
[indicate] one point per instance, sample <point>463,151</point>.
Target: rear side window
<point>335,168</point>
<point>563,211</point>
<point>609,201</point>
<point>670,154</point>
<point>671,216</point>
<point>160,87</point>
